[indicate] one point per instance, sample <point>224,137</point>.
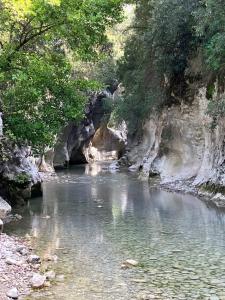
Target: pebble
<point>22,250</point>
<point>11,261</point>
<point>13,293</point>
<point>33,259</point>
<point>38,280</point>
<point>18,217</point>
<point>131,262</point>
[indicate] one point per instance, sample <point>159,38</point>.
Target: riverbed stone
<point>38,280</point>
<point>22,250</point>
<point>12,261</point>
<point>34,259</point>
<point>13,293</point>
<point>129,263</point>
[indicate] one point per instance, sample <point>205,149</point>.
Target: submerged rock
<point>129,263</point>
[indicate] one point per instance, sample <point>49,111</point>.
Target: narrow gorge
<point>112,150</point>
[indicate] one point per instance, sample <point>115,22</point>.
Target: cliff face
<point>179,144</point>
<point>91,139</point>
<point>19,177</point>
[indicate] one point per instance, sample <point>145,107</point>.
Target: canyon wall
<point>179,144</point>
<point>92,139</point>
<point>19,176</point>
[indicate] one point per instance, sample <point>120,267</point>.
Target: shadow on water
<point>93,220</point>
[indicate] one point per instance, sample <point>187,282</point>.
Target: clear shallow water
<point>99,219</point>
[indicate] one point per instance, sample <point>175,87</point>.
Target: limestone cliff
<point>91,139</point>
<point>19,177</point>
<point>179,144</point>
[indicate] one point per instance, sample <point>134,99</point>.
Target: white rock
<point>13,293</point>
<point>131,262</point>
<point>11,261</point>
<point>18,217</point>
<point>38,280</point>
<point>1,226</point>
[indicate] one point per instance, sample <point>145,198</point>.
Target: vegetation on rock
<point>166,35</point>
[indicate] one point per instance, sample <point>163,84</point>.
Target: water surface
<point>99,219</point>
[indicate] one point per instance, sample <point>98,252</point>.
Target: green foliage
<point>22,178</point>
<point>210,21</point>
<point>41,100</point>
<point>157,52</point>
<point>39,40</point>
<point>216,109</point>
<point>166,35</point>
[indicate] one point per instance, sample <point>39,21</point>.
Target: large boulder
<point>19,176</point>
<point>5,209</point>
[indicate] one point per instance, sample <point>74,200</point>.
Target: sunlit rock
<point>13,293</point>
<point>38,280</point>
<point>5,209</point>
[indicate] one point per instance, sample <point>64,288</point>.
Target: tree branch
<point>41,31</point>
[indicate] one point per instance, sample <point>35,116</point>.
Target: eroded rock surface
<point>92,139</point>
<point>19,177</point>
<point>179,144</point>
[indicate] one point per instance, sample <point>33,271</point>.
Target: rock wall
<point>107,143</point>
<point>178,144</point>
<point>91,139</point>
<point>19,177</point>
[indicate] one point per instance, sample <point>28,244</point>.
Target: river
<point>93,220</point>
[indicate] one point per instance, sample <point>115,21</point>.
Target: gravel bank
<point>15,271</point>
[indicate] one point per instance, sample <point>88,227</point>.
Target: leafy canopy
<point>39,40</point>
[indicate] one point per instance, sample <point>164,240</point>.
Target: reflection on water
<point>93,220</point>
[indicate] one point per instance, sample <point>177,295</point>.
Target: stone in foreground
<point>33,259</point>
<point>13,293</point>
<point>38,281</point>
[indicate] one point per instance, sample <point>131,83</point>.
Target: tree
<point>156,57</point>
<point>38,40</point>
